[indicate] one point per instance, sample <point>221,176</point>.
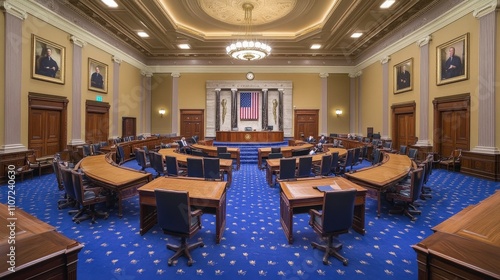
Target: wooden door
<point>128,126</point>
<point>96,121</point>
<point>306,123</point>
<point>47,124</point>
<point>451,124</point>
<point>403,125</point>
<point>192,123</point>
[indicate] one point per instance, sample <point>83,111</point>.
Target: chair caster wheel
<point>190,262</point>
<point>345,263</point>
<point>170,262</point>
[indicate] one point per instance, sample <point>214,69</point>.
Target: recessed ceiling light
<point>142,34</point>
<point>315,46</point>
<point>184,46</point>
<point>356,35</point>
<point>110,3</point>
<point>387,4</point>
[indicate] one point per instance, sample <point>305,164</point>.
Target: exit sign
<point>98,98</point>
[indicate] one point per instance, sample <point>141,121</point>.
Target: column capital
<point>486,9</point>
<point>176,75</point>
<point>217,90</point>
<point>354,75</point>
<point>77,41</point>
<point>385,59</point>
<point>424,41</point>
<point>265,89</point>
<point>234,90</point>
<point>323,75</point>
<point>116,59</point>
<point>13,10</point>
<point>147,74</point>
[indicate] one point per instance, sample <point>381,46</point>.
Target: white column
<point>76,104</point>
<point>116,97</point>
<point>487,58</point>
<point>423,131</point>
<point>175,102</point>
<point>324,104</point>
<point>14,17</point>
<point>385,97</point>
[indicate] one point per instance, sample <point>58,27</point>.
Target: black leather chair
<point>70,195</point>
<point>305,167</point>
<point>335,218</point>
<point>120,153</point>
<point>335,168</point>
<point>275,155</point>
<point>211,169</point>
<point>86,150</point>
<point>402,149</point>
<point>404,197</point>
<point>173,167</point>
<point>287,169</point>
<point>96,149</point>
<point>37,164</point>
<point>195,167</point>
<point>158,164</point>
<point>224,155</point>
<point>323,169</point>
<point>221,150</point>
<point>142,159</point>
<point>175,218</point>
<point>275,149</point>
<point>347,161</point>
<point>412,153</point>
<point>87,197</point>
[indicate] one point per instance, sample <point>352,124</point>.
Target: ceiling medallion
<point>248,49</point>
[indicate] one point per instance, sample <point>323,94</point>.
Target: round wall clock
<point>250,76</point>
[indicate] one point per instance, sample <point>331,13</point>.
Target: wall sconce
<point>338,112</point>
<point>162,112</point>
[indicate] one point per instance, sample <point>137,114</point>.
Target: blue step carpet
<point>254,245</point>
<point>249,151</point>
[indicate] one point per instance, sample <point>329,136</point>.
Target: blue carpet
<point>254,245</point>
<point>249,150</point>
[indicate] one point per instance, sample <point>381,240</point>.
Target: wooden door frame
<point>402,109</point>
<point>123,125</point>
<point>40,101</point>
<point>457,102</point>
<point>200,112</point>
<point>92,106</point>
<point>296,112</point>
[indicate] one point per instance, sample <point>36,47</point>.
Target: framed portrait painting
<point>98,76</point>
<point>403,76</point>
<point>453,60</point>
<point>48,60</point>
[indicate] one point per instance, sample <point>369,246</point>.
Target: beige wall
<point>371,98</point>
<point>161,98</point>
<point>338,98</point>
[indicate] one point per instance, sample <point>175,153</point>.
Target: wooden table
<point>273,165</point>
<point>40,251</point>
<point>286,151</point>
<point>378,178</point>
<point>299,196</point>
<point>249,136</point>
<point>123,181</point>
<point>465,246</point>
<point>225,164</point>
<point>211,151</point>
<point>207,195</point>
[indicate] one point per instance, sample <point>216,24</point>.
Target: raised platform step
<point>249,150</point>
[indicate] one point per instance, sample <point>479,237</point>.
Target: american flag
<point>249,105</point>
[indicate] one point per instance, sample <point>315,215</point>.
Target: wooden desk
<point>40,251</point>
<point>297,196</point>
<point>466,246</point>
<point>273,165</point>
<point>249,136</point>
<point>286,151</point>
<point>379,177</point>
<point>207,195</point>
<point>225,164</point>
<point>123,181</point>
<point>212,152</point>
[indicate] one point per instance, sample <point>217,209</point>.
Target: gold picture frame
<point>453,60</point>
<point>98,76</point>
<point>403,76</point>
<point>48,60</point>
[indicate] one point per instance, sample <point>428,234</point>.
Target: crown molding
<point>14,9</point>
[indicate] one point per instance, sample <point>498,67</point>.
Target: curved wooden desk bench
<point>212,152</point>
<point>286,151</point>
<point>225,164</point>
<point>378,178</point>
<point>102,171</point>
<point>273,165</point>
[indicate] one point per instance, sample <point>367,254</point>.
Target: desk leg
<point>379,201</point>
<point>358,223</point>
<point>286,218</point>
<point>147,218</point>
<point>220,219</point>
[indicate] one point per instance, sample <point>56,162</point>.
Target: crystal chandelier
<point>248,49</point>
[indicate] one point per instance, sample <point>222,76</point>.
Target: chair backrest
<point>172,166</point>
<point>141,158</point>
<point>287,168</point>
<point>248,128</point>
<point>157,163</point>
<point>96,148</point>
<point>364,153</point>
<point>376,156</point>
<point>78,185</point>
<point>67,182</point>
<point>338,210</point>
<point>57,172</point>
<point>195,167</point>
<point>86,150</point>
<point>195,139</point>
<point>457,155</point>
<point>121,153</point>
<point>412,153</point>
<point>275,149</point>
<point>402,149</point>
<point>211,168</point>
<point>221,149</point>
<point>417,181</point>
<point>103,143</point>
<point>224,155</point>
<point>355,159</point>
<point>388,145</point>
<point>326,165</point>
<point>173,210</point>
<point>335,162</point>
<point>349,157</point>
<point>145,149</point>
<point>300,152</point>
<point>275,155</point>
<point>305,166</point>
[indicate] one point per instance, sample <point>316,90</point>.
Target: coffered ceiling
<point>290,27</point>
